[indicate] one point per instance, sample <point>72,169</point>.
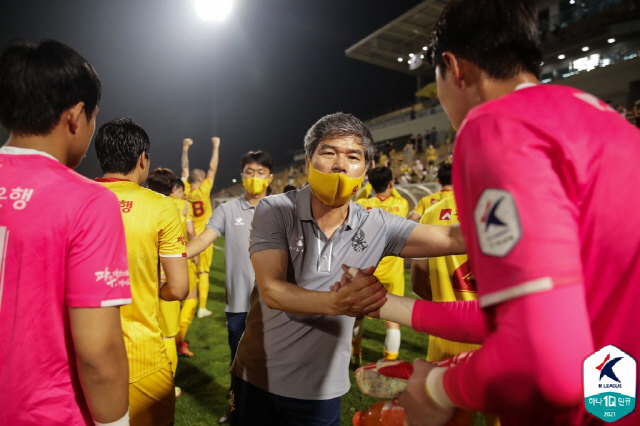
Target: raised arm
<point>102,361</point>
<point>364,296</point>
<point>434,240</point>
<point>184,160</point>
<point>198,244</point>
<point>213,163</point>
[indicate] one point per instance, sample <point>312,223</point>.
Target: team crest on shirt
<point>238,221</point>
<point>497,222</point>
<point>357,242</point>
<point>609,383</point>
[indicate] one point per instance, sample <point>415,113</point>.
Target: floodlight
<point>213,10</point>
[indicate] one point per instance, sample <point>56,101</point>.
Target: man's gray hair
<point>339,124</point>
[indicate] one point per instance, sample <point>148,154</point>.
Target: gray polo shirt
<point>307,357</point>
<point>233,220</point>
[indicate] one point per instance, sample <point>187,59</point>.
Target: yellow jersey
<point>152,229</point>
<point>200,199</point>
<point>431,199</point>
<point>390,270</point>
<point>451,278</point>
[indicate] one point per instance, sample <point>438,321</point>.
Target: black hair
<point>444,173</point>
<point>39,81</point>
<point>178,184</point>
<point>339,124</point>
<point>288,188</point>
<point>500,36</point>
<point>119,143</point>
<point>259,157</point>
<point>380,177</point>
<point>161,180</point>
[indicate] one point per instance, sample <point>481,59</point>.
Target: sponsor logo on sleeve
<point>609,383</point>
<point>497,222</point>
<point>115,278</point>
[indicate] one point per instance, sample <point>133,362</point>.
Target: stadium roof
<point>402,37</point>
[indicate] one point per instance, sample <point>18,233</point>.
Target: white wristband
<point>123,421</point>
<point>435,389</point>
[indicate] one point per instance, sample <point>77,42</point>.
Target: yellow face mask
<point>333,189</point>
<point>255,186</point>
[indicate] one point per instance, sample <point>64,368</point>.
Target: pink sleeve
<point>535,353</point>
<point>460,321</point>
<point>97,271</point>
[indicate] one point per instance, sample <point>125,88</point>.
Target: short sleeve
<point>217,220</point>
<point>517,217</point>
<point>268,226</point>
<point>398,231</point>
<point>171,235</point>
<point>97,271</point>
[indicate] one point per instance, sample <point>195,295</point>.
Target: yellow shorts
<point>152,400</point>
<point>169,317</point>
<point>205,260</point>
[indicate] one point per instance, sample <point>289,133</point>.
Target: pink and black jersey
<point>546,181</point>
<point>61,246</point>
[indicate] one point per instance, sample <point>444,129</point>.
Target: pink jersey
<point>546,180</point>
<point>61,245</point>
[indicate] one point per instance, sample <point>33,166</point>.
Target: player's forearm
<point>215,155</point>
<point>397,309</point>
<point>198,244</point>
<point>106,385</point>
<point>287,297</point>
<point>101,361</point>
<point>460,321</point>
<point>184,162</point>
<point>176,271</point>
<point>434,240</point>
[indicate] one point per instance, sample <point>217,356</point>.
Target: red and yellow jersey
<point>431,199</point>
<point>200,199</point>
<point>153,229</point>
<point>390,270</point>
<point>451,278</point>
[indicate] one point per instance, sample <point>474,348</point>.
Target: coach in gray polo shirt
<point>292,362</point>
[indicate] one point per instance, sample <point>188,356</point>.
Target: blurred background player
<point>64,269</point>
<point>155,238</point>
<point>444,178</point>
<point>233,220</point>
<point>390,270</point>
<point>197,188</point>
<point>190,304</point>
<point>162,181</point>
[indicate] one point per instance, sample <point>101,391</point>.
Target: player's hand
<point>186,143</point>
<point>360,296</point>
<point>419,408</point>
<point>348,275</point>
<point>216,141</point>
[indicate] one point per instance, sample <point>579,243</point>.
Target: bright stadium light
<point>561,56</point>
<point>213,10</point>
